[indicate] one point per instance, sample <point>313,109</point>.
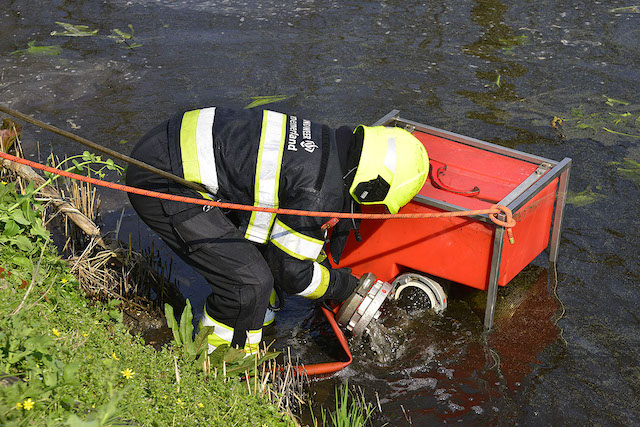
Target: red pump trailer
<point>466,174</point>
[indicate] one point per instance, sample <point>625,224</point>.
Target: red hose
<point>329,367</point>
<point>325,368</point>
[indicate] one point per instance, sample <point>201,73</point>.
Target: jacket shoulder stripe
<point>204,141</point>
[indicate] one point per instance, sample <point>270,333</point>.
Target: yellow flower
<point>55,332</point>
<point>28,404</point>
<point>180,402</point>
<point>200,405</point>
<point>114,357</point>
<point>19,405</point>
<point>127,373</point>
<point>84,334</point>
<point>64,280</point>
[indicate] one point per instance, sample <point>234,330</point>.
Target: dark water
<point>495,70</point>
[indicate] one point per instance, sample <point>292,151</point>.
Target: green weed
<point>67,361</point>
<point>352,410</point>
<point>629,169</point>
<point>32,49</point>
<point>126,38</point>
<point>21,225</point>
<point>183,333</point>
<point>509,43</point>
<point>71,30</point>
<point>121,37</point>
<point>85,163</point>
<point>262,100</point>
<point>230,361</point>
<point>622,123</point>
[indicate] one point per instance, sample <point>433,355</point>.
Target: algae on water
<point>617,117</point>
<point>584,198</point>
<point>629,169</point>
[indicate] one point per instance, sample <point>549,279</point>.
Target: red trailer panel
<point>467,174</point>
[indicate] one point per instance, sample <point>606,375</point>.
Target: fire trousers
<point>239,278</point>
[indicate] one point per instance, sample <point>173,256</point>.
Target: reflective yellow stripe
<point>319,283</point>
<point>223,334</point>
<point>196,146</point>
<point>188,148</point>
<point>270,315</point>
<point>253,341</point>
<point>267,175</point>
<point>295,244</point>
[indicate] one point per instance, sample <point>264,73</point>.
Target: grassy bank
<point>65,360</point>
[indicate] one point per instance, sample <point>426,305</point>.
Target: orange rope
<point>493,211</point>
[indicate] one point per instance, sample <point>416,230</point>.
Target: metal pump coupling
<point>363,305</point>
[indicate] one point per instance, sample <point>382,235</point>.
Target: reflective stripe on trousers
<point>223,334</point>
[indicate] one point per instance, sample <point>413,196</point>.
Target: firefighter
<point>265,158</point>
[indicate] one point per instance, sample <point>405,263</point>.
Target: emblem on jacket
<point>309,145</point>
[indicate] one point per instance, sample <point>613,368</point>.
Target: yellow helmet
<point>392,169</point>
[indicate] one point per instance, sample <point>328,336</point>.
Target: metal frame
<point>548,170</point>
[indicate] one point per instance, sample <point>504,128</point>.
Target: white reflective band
<point>295,244</point>
<point>316,281</point>
<point>391,154</point>
<point>254,338</point>
<point>204,142</point>
<point>269,316</point>
<point>223,332</point>
<point>267,175</point>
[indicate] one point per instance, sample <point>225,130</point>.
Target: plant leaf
<point>613,102</point>
<point>74,30</point>
<point>39,50</point>
<point>262,100</point>
<point>186,329</point>
<point>171,322</point>
<point>23,243</point>
<point>19,218</point>
<point>11,229</point>
<point>201,342</point>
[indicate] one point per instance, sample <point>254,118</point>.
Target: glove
<point>350,283</point>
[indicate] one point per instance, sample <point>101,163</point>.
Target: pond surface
<point>500,71</point>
